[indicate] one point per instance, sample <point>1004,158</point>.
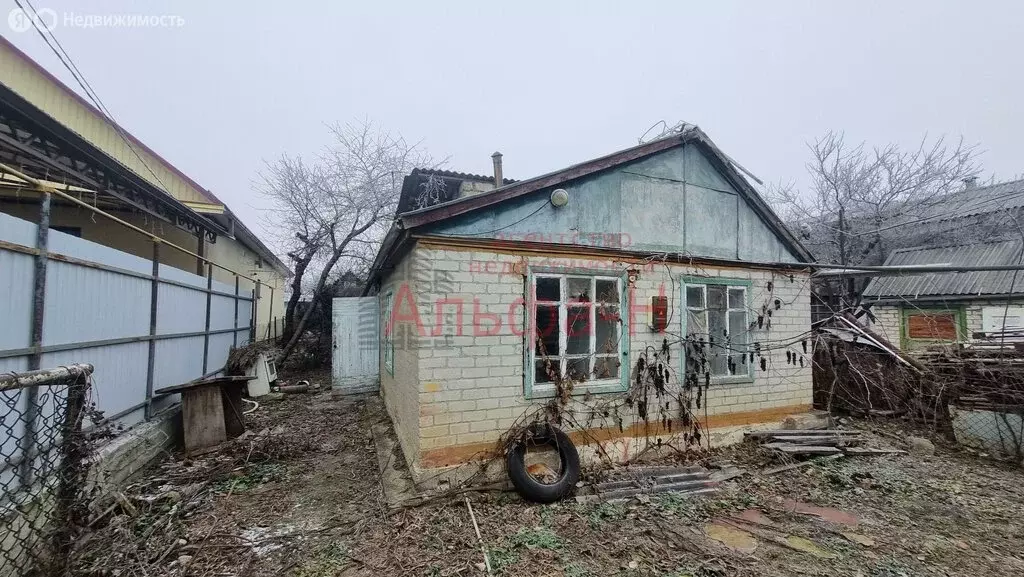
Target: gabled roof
<point>463,205</point>
<point>454,207</point>
<point>934,285</point>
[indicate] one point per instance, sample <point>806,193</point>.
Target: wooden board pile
<point>815,442</point>
<point>693,480</point>
<point>984,377</point>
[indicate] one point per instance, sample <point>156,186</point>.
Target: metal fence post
<point>209,299</point>
<point>151,363</point>
<point>35,359</point>
<point>71,473</point>
<point>234,335</point>
<point>252,317</point>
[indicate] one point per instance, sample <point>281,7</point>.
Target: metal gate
<point>356,363</point>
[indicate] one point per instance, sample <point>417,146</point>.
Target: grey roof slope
<point>450,181</point>
<point>974,201</point>
<point>1006,252</point>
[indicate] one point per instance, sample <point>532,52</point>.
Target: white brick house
<point>917,311</point>
<point>662,251</point>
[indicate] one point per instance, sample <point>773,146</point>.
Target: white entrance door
<point>356,361</point>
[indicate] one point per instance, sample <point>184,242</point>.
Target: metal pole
<point>151,363</point>
<point>270,312</point>
<point>70,473</point>
<point>28,442</point>
<point>39,282</point>
<point>234,335</point>
<point>46,188</point>
<point>252,316</point>
<point>255,309</point>
<point>27,380</point>
<point>209,298</point>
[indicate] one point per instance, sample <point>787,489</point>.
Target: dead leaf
<point>859,539</point>
<point>731,537</point>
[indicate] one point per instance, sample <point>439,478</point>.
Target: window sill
<point>734,380</point>
<point>547,391</point>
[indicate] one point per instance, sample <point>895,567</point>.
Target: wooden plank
<point>203,417</point>
<point>938,326</point>
<point>868,451</point>
<point>820,432</point>
<point>811,439</point>
<point>792,466</point>
<point>211,382</point>
<point>689,487</point>
<point>804,449</point>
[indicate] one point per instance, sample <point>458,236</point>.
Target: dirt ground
<point>301,495</point>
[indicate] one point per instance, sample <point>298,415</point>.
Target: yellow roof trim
<point>204,207</point>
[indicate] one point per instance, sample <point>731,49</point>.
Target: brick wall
<point>887,323</point>
<point>399,389</point>
<point>467,382</point>
<point>888,317</point>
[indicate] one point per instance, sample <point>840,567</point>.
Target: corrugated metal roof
<point>952,283</point>
<point>459,175</point>
<point>972,201</point>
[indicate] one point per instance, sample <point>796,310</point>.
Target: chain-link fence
<point>985,391</point>
<point>45,465</point>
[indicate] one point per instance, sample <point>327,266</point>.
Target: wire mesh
<point>45,462</point>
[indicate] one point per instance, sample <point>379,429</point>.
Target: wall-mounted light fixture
<point>559,197</point>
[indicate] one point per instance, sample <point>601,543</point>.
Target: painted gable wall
<point>673,201</point>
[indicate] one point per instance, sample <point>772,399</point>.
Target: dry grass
<point>305,499</point>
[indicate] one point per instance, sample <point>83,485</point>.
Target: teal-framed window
<point>716,324</point>
<point>921,327</point>
<point>387,344</point>
<point>575,329</point>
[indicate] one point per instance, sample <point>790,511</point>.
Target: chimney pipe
<point>970,182</point>
<point>498,180</point>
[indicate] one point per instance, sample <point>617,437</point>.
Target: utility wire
<point>68,63</point>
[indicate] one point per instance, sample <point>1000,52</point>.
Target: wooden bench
<point>211,410</point>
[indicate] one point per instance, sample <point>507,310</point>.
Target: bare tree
<point>860,197</point>
<point>294,188</point>
<point>339,208</point>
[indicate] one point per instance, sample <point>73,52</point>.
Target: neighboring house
<point>82,287</point>
<point>492,297</point>
<point>972,214</point>
<point>51,133</point>
<point>918,310</point>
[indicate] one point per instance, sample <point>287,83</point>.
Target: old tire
<point>526,485</point>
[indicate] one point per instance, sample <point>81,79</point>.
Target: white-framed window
<point>576,329</point>
<point>717,329</point>
<point>388,334</point>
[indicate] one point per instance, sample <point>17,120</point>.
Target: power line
<point>62,54</point>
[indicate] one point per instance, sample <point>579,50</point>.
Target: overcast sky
<point>547,83</point>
